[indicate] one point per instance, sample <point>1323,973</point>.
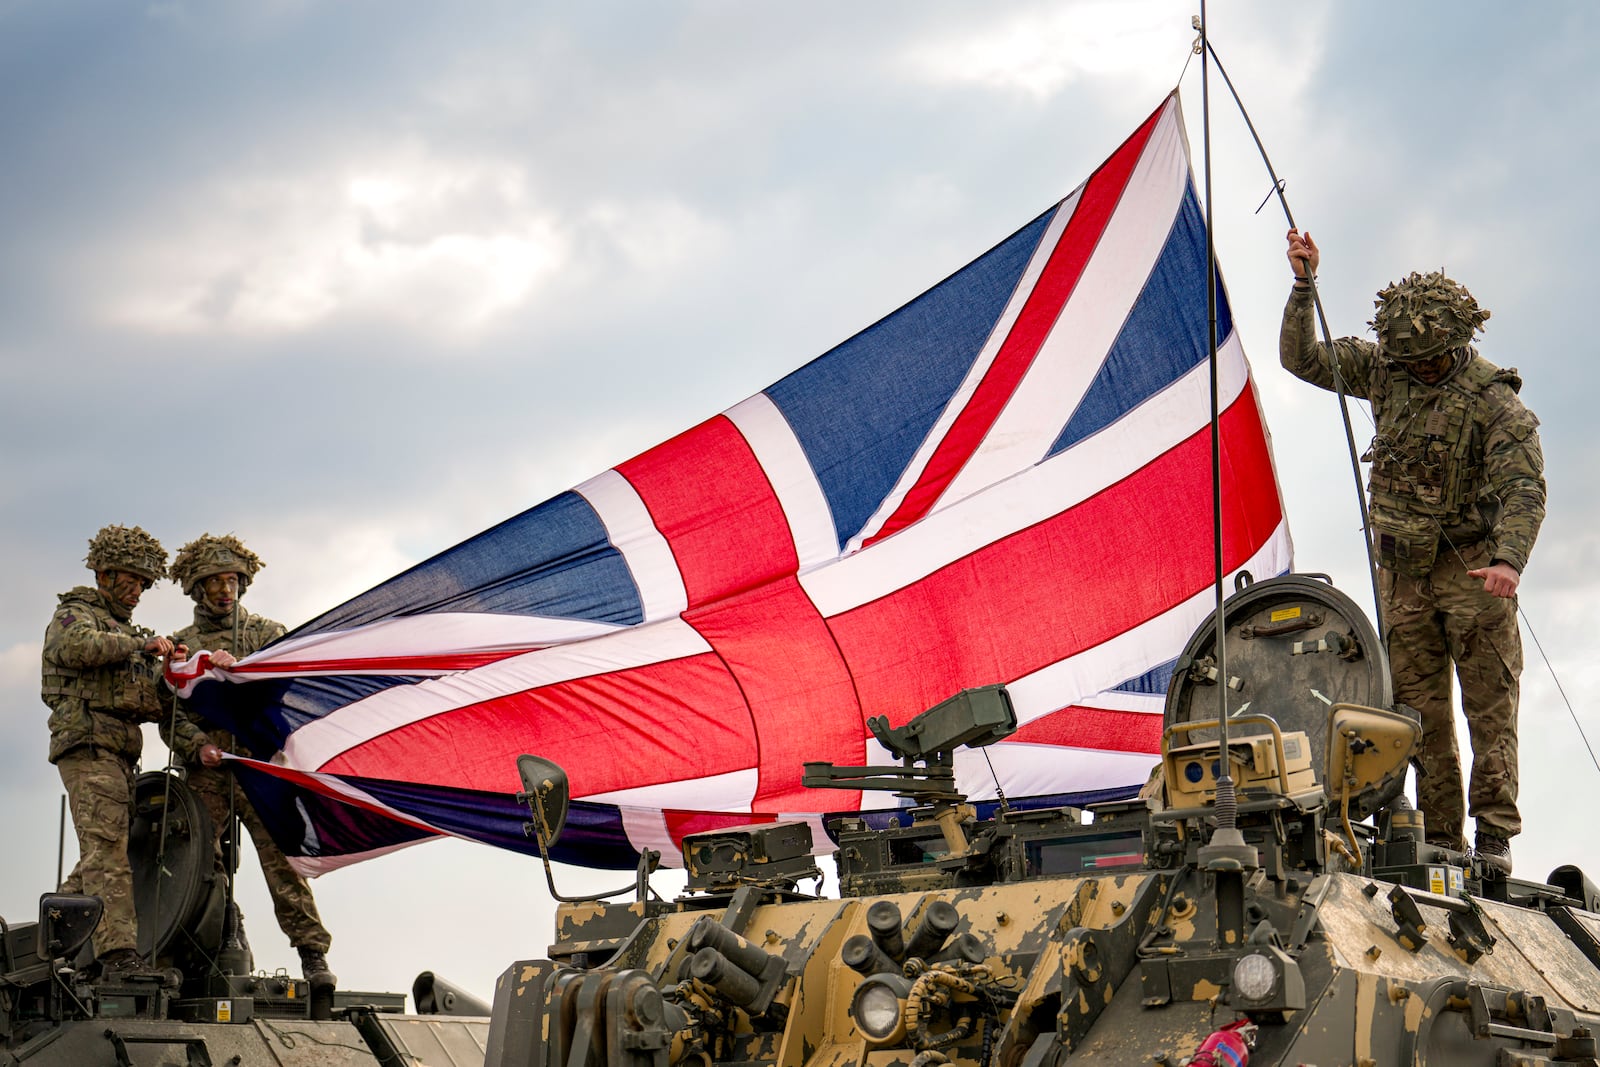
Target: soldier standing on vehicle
<point>1457,496</point>
<point>99,676</point>
<point>215,572</point>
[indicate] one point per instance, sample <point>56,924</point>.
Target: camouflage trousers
<point>100,793</point>
<point>292,901</point>
<point>1433,622</point>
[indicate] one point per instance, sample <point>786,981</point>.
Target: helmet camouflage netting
<point>127,548</point>
<point>1424,315</point>
<point>207,555</point>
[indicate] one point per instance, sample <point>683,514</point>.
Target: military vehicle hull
<point>1112,969</point>
<point>1135,933</point>
<point>210,1007</point>
<point>372,1039</point>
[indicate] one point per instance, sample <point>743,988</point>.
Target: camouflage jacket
<point>238,632</point>
<point>96,679</point>
<point>1453,464</point>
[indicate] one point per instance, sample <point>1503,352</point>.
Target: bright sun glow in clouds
<point>1039,55</point>
<point>442,246</point>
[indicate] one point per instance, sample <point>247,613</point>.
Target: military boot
<point>1453,842</point>
<point>122,965</point>
<point>1495,852</point>
<point>314,965</point>
<point>235,956</point>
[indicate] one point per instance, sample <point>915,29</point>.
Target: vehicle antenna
<point>1372,565</point>
<point>1227,856</point>
<point>166,804</point>
<point>1001,793</point>
<point>1227,810</point>
<point>1322,322</point>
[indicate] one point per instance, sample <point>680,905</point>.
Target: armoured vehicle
<point>1303,920</point>
<point>211,1007</point>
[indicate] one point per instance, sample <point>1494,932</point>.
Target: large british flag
<point>1006,480</point>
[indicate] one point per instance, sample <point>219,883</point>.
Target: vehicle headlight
<point>1254,977</point>
<point>878,1007</point>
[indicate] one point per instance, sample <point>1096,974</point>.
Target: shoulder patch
<point>67,620</point>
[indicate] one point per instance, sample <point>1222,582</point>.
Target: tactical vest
<point>1427,465</point>
<point>254,633</point>
<point>101,706</point>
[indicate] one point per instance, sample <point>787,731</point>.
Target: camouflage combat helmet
<point>1424,315</point>
<point>131,549</point>
<point>207,555</point>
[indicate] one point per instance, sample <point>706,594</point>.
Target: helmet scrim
<point>207,555</point>
<point>1425,315</point>
<point>125,548</point>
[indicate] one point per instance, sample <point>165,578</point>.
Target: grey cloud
<point>820,183</point>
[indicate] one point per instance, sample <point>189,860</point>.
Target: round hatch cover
<point>1295,646</point>
<point>185,900</point>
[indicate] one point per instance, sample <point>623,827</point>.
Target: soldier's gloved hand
<point>1499,579</point>
<point>161,646</point>
<point>210,756</point>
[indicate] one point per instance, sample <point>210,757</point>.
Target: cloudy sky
<point>356,280</point>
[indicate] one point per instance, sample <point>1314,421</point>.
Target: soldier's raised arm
<point>1299,351</point>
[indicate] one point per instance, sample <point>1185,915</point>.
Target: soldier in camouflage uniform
<point>99,676</point>
<point>215,572</point>
<point>1457,497</point>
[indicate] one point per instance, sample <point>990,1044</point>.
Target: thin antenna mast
<point>1227,857</point>
<point>1322,321</point>
<point>1226,809</point>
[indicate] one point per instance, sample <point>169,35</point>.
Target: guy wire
<point>1559,687</point>
<point>1338,380</point>
<point>1327,339</point>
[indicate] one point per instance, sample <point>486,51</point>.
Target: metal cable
<point>1559,687</point>
<point>1327,340</point>
<point>1366,524</point>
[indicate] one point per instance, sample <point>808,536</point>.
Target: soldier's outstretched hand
<point>1500,579</point>
<point>1304,255</point>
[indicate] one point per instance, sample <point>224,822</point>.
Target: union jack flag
<point>1006,480</point>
